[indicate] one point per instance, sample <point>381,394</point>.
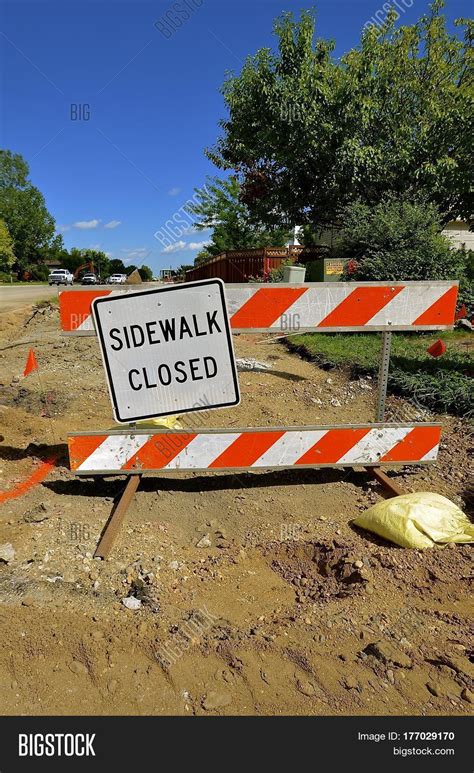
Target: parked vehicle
<point>117,279</point>
<point>90,279</point>
<point>60,276</point>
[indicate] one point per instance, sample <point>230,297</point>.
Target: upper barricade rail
<point>324,307</point>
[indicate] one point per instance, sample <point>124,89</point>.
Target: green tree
<point>146,273</point>
<point>23,209</point>
<point>181,270</point>
<point>76,258</point>
<point>117,266</point>
<point>397,240</point>
<point>307,133</point>
<point>7,256</point>
<point>219,207</point>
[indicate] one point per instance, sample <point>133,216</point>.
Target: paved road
<point>13,297</point>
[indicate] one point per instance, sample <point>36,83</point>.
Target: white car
<point>60,276</point>
<point>117,279</point>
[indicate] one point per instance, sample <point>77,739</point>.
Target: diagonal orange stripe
<point>360,306</point>
<point>414,446</point>
<point>334,444</point>
<point>248,447</point>
<point>81,447</point>
<point>442,311</point>
<point>39,475</point>
<point>75,306</point>
<point>265,306</point>
<point>158,451</point>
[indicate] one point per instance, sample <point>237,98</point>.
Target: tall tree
<point>146,273</point>
<point>23,208</point>
<point>7,256</point>
<point>306,133</point>
<point>219,207</point>
<point>117,266</point>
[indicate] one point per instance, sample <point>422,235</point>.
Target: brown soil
<point>288,611</point>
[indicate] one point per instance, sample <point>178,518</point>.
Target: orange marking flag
<point>31,363</point>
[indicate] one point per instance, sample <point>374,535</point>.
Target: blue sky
<point>112,181</point>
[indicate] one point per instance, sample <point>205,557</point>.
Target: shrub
<point>397,240</point>
<point>37,272</point>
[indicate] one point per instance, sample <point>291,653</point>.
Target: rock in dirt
<point>7,553</point>
<point>388,653</point>
<point>132,603</point>
<point>351,683</point>
<point>216,700</point>
<point>36,514</point>
<point>78,668</point>
<point>204,542</point>
<point>467,695</point>
<point>435,689</point>
<point>306,687</point>
<point>250,363</point>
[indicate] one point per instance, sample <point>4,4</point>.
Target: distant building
<point>460,235</point>
<point>166,274</point>
<point>52,264</point>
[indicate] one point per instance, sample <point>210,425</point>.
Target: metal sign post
<point>383,375</point>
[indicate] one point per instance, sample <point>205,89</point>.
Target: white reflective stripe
<point>202,451</point>
<point>114,452</point>
<point>431,455</point>
<point>408,305</point>
<point>289,448</point>
<point>312,307</point>
<point>238,297</point>
<point>374,445</point>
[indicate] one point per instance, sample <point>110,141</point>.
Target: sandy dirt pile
<point>232,594</point>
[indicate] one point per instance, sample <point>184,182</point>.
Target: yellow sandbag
<point>168,422</point>
<point>418,520</point>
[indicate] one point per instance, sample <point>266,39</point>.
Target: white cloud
<point>174,247</point>
<point>138,253</point>
<point>112,224</point>
<point>174,191</point>
<point>84,224</point>
<point>181,245</point>
<point>64,227</point>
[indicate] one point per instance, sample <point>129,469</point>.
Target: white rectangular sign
<point>167,350</point>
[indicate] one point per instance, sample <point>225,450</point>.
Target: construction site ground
<point>257,595</point>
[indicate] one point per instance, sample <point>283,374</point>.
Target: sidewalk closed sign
<point>167,350</point>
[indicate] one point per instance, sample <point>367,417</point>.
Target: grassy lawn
<point>443,384</point>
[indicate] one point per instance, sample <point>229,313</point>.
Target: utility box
<point>326,270</point>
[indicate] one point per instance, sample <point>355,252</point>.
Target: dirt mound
<point>318,570</point>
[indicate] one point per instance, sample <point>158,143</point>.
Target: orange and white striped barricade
<point>277,308</point>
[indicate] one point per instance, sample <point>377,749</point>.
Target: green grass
<point>443,384</point>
